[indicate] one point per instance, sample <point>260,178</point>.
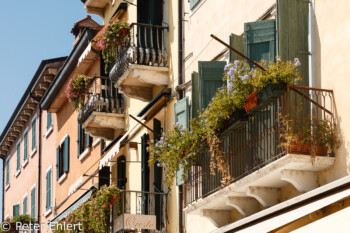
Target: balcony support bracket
<point>265,195</point>
<point>303,181</point>
<point>245,205</point>
<point>218,217</point>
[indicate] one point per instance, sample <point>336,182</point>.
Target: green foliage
<point>93,214</point>
<point>179,147</point>
<point>110,37</point>
<point>77,89</point>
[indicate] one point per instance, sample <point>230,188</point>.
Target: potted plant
<point>77,89</point>
<point>251,101</point>
<point>110,37</point>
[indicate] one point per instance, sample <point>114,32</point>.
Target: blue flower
<point>231,73</point>
<point>158,164</point>
<point>169,145</point>
<point>278,59</point>
<point>297,62</point>
<point>228,117</point>
<point>152,141</point>
<point>236,62</point>
<point>225,67</point>
<point>245,77</point>
<point>177,124</point>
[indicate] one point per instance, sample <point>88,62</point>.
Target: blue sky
<point>32,31</point>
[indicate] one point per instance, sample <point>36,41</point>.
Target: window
<point>48,189</point>
<point>63,158</point>
<point>34,134</point>
<point>18,167</point>
<point>121,172</point>
<point>25,204</point>
<point>16,210</point>
<point>193,3</point>
<point>25,150</point>
<point>32,202</point>
<point>48,121</point>
<point>7,171</point>
<point>84,140</point>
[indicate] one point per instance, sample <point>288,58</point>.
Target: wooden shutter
<point>25,204</point>
<point>182,117</point>
<point>260,40</point>
<point>121,172</point>
<point>157,184</point>
<point>182,114</point>
<point>211,75</point>
<point>292,21</point>
<point>7,171</point>
<point>237,42</point>
<point>48,190</point>
<point>58,163</point>
<point>48,121</point>
<point>34,134</point>
<point>194,95</point>
<point>15,211</point>
<point>193,3</point>
<point>32,202</point>
<point>145,172</point>
<point>80,140</point>
<point>18,156</point>
<point>66,154</point>
<point>25,151</point>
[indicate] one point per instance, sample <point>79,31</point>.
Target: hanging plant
<point>110,37</point>
<point>77,89</point>
<point>179,147</point>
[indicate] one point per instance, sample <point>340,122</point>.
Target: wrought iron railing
<point>255,139</point>
<point>141,203</point>
<point>146,46</point>
<point>102,97</point>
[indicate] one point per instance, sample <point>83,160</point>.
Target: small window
<point>7,171</point>
<point>121,172</point>
<point>18,167</point>
<point>194,3</point>
<point>25,204</point>
<point>84,140</point>
<point>16,210</point>
<point>48,121</point>
<point>63,158</point>
<point>34,134</point>
<point>48,189</point>
<point>25,146</point>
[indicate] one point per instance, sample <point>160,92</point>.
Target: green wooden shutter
<point>121,172</point>
<point>260,40</point>
<point>157,184</point>
<point>292,21</point>
<point>182,117</point>
<point>79,140</point>
<point>25,204</point>
<point>194,95</point>
<point>66,154</point>
<point>211,75</point>
<point>32,202</point>
<point>182,112</point>
<point>25,151</point>
<point>237,42</point>
<point>7,171</point>
<point>144,171</point>
<point>34,134</point>
<point>18,157</point>
<point>15,211</point>
<point>58,163</point>
<point>48,121</point>
<point>48,189</point>
<point>193,3</point>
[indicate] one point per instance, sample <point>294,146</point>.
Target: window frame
<point>60,164</point>
<point>31,203</point>
<point>34,132</point>
<point>48,200</point>
<point>18,156</point>
<point>19,209</point>
<point>25,207</point>
<point>7,181</point>
<point>25,147</point>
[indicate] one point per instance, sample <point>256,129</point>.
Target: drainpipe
<point>180,55</point>
<point>3,189</point>
<point>312,80</point>
<point>39,166</point>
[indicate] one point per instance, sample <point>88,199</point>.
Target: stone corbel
<point>218,217</point>
<point>303,181</point>
<point>265,195</point>
<point>245,205</point>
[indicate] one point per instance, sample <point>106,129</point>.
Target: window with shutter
<point>292,21</point>
<point>48,190</point>
<point>25,146</point>
<point>16,210</point>
<point>34,134</point>
<point>121,172</point>
<point>83,140</point>
<point>18,167</point>
<point>58,165</point>
<point>32,202</point>
<point>194,95</point>
<point>210,77</point>
<point>7,171</point>
<point>260,40</point>
<point>237,42</point>
<point>181,117</point>
<point>194,3</point>
<point>145,171</point>
<point>48,121</point>
<point>63,158</point>
<point>66,154</point>
<point>25,204</point>
<point>158,174</point>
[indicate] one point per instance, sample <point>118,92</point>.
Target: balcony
<point>140,211</point>
<point>97,6</point>
<point>258,162</point>
<point>103,111</point>
<point>142,61</point>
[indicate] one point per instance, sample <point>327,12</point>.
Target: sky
<point>32,31</point>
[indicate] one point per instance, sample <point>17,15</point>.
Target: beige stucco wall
<point>28,176</point>
<point>332,33</point>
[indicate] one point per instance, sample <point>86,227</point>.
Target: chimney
<point>81,25</point>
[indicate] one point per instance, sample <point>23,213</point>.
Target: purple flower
<point>158,164</point>
<point>236,62</point>
<point>225,67</point>
<point>297,62</point>
<point>278,59</point>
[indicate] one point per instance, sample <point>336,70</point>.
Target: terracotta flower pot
<point>322,150</point>
<point>251,101</point>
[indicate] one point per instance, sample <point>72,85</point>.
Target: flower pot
<point>234,119</point>
<point>271,91</point>
<point>299,148</point>
<point>322,150</point>
<point>251,101</point>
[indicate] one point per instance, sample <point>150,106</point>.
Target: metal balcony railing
<point>146,46</point>
<point>103,97</point>
<point>255,139</point>
<point>142,203</point>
